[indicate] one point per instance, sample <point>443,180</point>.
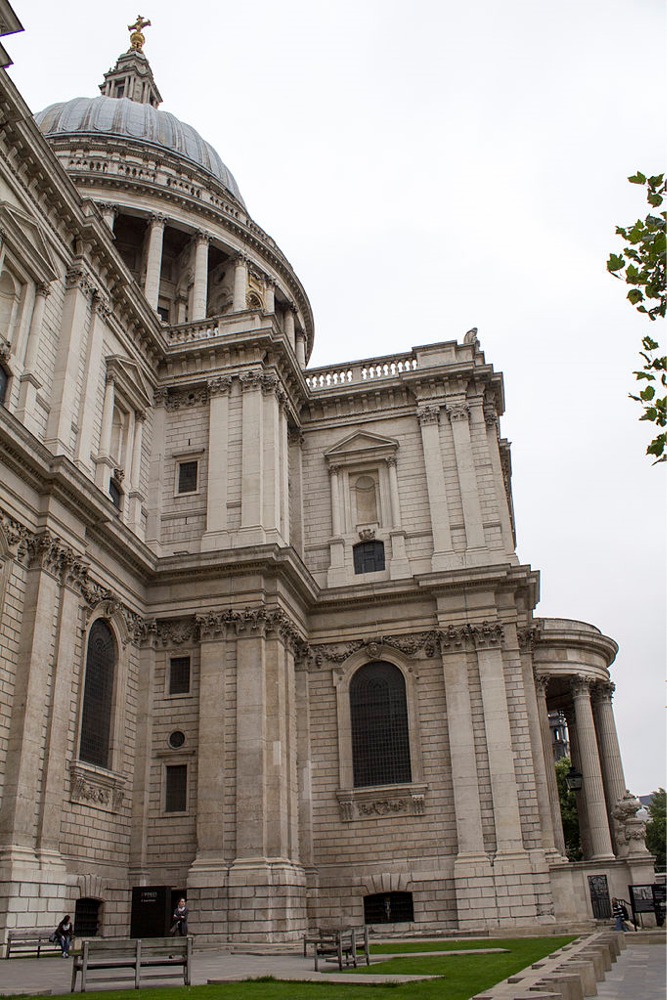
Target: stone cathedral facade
<point>265,638</point>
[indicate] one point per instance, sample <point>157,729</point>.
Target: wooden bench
<point>340,945</point>
<point>30,941</point>
<point>135,961</point>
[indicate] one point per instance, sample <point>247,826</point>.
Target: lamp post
<point>574,779</point>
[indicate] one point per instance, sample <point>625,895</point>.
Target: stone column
<point>509,839</point>
<point>156,477</point>
<point>57,753</point>
<point>200,289</point>
<point>270,296</point>
<point>94,364</point>
<point>301,349</point>
<point>399,566</point>
<point>465,463</point>
<point>141,770</point>
<point>289,325</point>
<point>64,392</point>
<point>610,752</point>
<point>272,472</point>
<point>593,788</point>
<point>295,489</point>
<point>304,763</point>
<point>502,498</point>
<point>541,686</point>
<point>336,575</point>
<point>216,656</point>
<point>252,456</point>
<point>284,468</point>
<point>429,423</point>
<point>29,382</point>
<point>216,535</point>
<point>240,293</point>
<point>135,496</point>
<point>103,461</point>
<point>154,260</point>
<point>473,875</point>
<point>22,791</point>
<point>109,213</point>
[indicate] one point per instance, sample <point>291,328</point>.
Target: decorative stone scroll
<point>92,788</point>
<point>381,803</point>
<point>196,396</point>
<point>487,634</point>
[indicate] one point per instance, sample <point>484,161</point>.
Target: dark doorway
<point>600,901</point>
<point>151,911</point>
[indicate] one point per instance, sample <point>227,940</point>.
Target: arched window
<point>98,696</point>
<point>379,724</point>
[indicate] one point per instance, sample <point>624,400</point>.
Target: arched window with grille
<point>379,726</point>
<point>96,714</point>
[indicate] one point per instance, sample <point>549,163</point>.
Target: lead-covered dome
<point>122,118</point>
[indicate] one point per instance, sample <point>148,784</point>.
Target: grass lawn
<point>462,975</point>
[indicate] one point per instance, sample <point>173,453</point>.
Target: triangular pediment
<point>361,444</point>
<point>27,243</point>
<point>131,379</point>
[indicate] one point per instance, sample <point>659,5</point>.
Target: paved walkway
<point>639,973</point>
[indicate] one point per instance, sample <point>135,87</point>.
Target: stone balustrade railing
<point>360,371</point>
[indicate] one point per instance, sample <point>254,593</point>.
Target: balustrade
<point>360,371</point>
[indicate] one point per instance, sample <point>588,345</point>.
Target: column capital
<point>43,288</point>
<point>458,412</point>
<point>220,385</point>
<point>241,260</point>
<point>333,470</point>
<point>603,691</point>
<point>542,683</point>
<point>581,685</point>
<point>157,220</point>
<point>250,380</point>
<point>390,460</point>
<point>201,236</point>
<point>160,396</point>
<point>428,413</point>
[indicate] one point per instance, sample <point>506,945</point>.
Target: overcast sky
<point>435,167</point>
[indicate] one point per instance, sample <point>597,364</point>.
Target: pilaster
<point>459,416</point>
<point>429,425</point>
<point>217,535</point>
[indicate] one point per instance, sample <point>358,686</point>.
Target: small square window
<point>187,477</point>
<point>176,788</point>
<point>179,675</point>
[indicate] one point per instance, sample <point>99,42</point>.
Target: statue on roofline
<point>137,37</point>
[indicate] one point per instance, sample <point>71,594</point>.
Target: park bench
<point>26,941</point>
<point>135,961</point>
<point>338,945</point>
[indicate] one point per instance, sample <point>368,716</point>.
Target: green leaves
<point>642,266</point>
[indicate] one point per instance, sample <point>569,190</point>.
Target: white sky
<point>433,167</point>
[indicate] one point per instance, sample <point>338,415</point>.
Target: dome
<point>142,123</point>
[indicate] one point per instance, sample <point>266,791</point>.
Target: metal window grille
<point>388,908</point>
<point>187,477</point>
<point>176,788</point>
<point>379,719</point>
<point>179,675</point>
<point>87,917</point>
<point>98,695</point>
<point>368,557</point>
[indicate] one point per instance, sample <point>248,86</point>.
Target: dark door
<point>599,896</point>
<point>151,912</point>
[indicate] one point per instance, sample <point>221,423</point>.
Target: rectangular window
<point>116,494</point>
<point>179,675</point>
<point>176,788</point>
<point>187,477</point>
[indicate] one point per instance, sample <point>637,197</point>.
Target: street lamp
<point>574,779</point>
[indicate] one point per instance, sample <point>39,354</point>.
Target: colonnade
<point>595,752</point>
<point>199,300</point>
